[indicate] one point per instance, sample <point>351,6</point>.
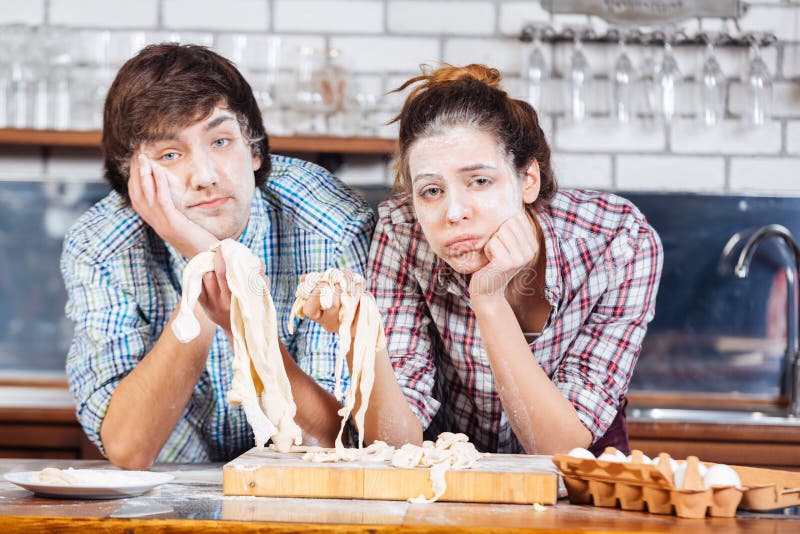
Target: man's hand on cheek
<point>148,188</point>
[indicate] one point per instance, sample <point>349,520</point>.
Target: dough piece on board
<point>369,339</point>
<point>259,381</point>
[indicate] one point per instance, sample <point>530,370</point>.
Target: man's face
<point>212,166</point>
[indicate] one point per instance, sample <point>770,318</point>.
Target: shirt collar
<point>553,271</point>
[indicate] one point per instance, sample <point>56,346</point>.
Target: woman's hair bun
<point>474,71</point>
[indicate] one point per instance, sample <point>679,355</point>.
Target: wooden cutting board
<point>496,478</point>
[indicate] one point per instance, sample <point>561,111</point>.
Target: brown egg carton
<point>636,485</point>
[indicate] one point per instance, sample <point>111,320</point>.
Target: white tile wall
<point>384,41</point>
<point>233,15</point>
<point>793,138</point>
<point>782,21</point>
<point>395,54</point>
<point>791,61</point>
<point>503,54</point>
<point>14,11</point>
<point>104,13</point>
<point>604,135</point>
<point>785,99</point>
<point>584,171</point>
<point>329,16</point>
<point>468,18</point>
<point>730,137</point>
<point>670,173</point>
<point>769,175</point>
<point>514,15</point>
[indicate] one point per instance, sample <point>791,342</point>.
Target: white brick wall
<point>604,135</point>
<point>729,137</point>
<point>670,173</point>
<point>329,17</point>
<point>588,172</point>
<point>104,13</point>
<point>768,175</point>
<point>236,15</point>
<point>384,41</point>
<point>514,15</point>
<point>503,54</point>
<point>782,21</point>
<point>469,18</point>
<point>396,54</point>
<point>14,11</point>
<point>793,138</point>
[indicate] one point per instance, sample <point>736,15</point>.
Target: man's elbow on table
<point>125,454</point>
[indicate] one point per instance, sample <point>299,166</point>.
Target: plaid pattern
<point>124,282</point>
<point>603,268</point>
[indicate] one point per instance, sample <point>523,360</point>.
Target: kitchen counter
<point>193,502</point>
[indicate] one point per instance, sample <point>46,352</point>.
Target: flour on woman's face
<point>463,189</point>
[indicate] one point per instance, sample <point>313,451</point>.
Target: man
<point>188,159</point>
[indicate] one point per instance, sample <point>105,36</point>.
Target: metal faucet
<point>741,269</point>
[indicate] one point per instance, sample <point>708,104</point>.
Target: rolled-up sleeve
<point>596,369</point>
<point>406,321</point>
<point>110,336</point>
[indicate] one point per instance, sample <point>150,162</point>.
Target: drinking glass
<point>578,77</point>
<point>713,86</point>
<point>758,87</point>
<point>536,70</point>
<point>622,78</point>
<point>668,75</point>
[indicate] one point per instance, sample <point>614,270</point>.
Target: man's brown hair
<point>165,88</point>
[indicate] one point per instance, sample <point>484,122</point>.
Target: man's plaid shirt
<point>603,268</point>
<point>124,282</point>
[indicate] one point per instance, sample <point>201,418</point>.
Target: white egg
<point>612,458</point>
<point>679,474</point>
<point>721,475</point>
<point>580,452</point>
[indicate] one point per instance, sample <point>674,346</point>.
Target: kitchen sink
<point>723,417</point>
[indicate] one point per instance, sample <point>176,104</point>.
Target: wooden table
<point>193,502</point>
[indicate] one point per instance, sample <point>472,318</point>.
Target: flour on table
<point>259,381</point>
<point>368,340</point>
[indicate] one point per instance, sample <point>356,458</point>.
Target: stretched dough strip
<point>369,338</point>
<point>259,380</point>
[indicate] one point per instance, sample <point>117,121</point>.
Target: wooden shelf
<point>291,144</point>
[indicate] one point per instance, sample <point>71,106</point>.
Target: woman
<point>513,312</point>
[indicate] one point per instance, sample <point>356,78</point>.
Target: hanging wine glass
<point>713,86</point>
<point>759,87</point>
<point>622,79</point>
<point>578,76</point>
<point>668,75</point>
<point>536,70</point>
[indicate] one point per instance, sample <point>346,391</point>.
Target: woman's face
<point>463,189</point>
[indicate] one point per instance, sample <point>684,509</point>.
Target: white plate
<point>116,484</point>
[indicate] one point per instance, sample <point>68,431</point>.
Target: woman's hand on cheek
<point>148,188</point>
<point>512,248</point>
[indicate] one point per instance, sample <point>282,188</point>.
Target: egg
<point>721,475</point>
<point>580,452</point>
<point>679,472</point>
<point>617,457</point>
